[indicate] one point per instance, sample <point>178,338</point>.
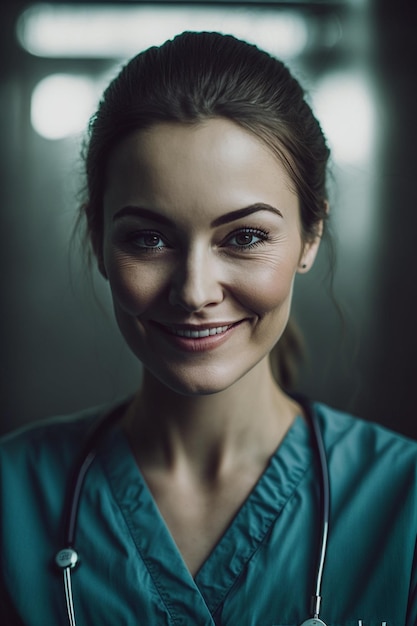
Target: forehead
<point>212,163</point>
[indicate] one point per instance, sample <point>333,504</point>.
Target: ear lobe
<point>311,247</point>
<point>308,257</point>
<point>309,252</point>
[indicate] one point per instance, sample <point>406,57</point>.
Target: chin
<point>195,386</point>
<point>198,381</point>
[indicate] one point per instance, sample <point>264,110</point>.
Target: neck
<point>209,434</point>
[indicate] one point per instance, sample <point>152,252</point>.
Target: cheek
<point>269,288</point>
<point>133,289</point>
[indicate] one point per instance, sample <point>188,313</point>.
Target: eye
<point>246,238</point>
<point>146,240</point>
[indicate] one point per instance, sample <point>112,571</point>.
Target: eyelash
<point>132,238</point>
<point>260,233</point>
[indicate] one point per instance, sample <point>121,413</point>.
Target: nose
<point>196,281</point>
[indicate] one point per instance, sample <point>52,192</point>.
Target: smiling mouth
<point>197,333</point>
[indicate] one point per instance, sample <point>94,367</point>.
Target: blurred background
<point>61,350</point>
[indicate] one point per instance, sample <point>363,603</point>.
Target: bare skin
<point>200,461</point>
<point>202,234</point>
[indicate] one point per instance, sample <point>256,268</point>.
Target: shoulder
<point>40,436</point>
<point>36,463</point>
<point>353,443</point>
<point>338,425</point>
<point>47,445</point>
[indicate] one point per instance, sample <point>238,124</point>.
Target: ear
<point>311,247</point>
<point>308,255</point>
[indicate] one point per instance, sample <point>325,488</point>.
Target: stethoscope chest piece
<point>67,558</point>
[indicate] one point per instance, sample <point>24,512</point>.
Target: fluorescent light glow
<point>62,105</point>
<point>120,31</point>
<point>343,103</point>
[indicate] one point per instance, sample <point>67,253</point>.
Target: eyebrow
<point>236,215</point>
<point>138,211</point>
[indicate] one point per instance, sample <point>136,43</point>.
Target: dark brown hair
<point>204,75</point>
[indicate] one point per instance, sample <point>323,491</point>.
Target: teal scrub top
<point>262,571</point>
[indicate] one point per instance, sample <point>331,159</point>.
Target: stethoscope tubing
<point>325,506</point>
<point>67,558</point>
<point>83,464</point>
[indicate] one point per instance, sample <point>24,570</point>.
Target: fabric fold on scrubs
<point>262,570</point>
<point>229,557</point>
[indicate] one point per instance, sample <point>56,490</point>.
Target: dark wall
<point>371,368</point>
<point>61,351</point>
<point>393,366</point>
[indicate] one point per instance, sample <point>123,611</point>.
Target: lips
<point>196,338</point>
<point>198,334</point>
<point>191,331</point>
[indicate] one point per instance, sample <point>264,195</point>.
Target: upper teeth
<point>199,333</point>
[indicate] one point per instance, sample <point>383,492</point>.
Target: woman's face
<point>201,245</point>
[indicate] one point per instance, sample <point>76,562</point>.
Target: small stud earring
<point>304,265</point>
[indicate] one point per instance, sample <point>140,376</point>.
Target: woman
<point>206,196</point>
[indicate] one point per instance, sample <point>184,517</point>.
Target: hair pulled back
<point>197,76</point>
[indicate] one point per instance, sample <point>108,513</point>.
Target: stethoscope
<point>67,558</point>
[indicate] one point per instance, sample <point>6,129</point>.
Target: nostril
<point>195,290</point>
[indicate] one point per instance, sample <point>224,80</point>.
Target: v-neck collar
<point>207,591</point>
